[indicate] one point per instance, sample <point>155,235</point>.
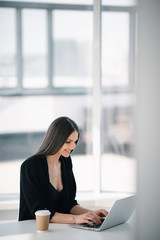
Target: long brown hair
<point>56,135</point>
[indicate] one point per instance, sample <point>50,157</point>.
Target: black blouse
<point>36,191</point>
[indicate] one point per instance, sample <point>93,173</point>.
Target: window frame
<point>50,89</point>
<point>97,89</point>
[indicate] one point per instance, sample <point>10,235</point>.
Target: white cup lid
<point>43,212</point>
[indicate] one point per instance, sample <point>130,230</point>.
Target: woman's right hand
<point>89,217</point>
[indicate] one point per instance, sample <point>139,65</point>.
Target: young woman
<point>47,180</point>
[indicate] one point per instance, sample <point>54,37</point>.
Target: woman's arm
<point>31,191</point>
<point>80,215</point>
<point>62,218</point>
<point>77,210</point>
<point>89,218</point>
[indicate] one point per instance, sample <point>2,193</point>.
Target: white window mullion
<point>19,49</point>
<point>50,48</point>
<point>96,128</point>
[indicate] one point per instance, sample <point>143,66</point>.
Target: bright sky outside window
<point>34,29</point>
<point>72,49</point>
<point>115,49</point>
<point>8,78</point>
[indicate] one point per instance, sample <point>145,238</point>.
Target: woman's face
<point>69,145</point>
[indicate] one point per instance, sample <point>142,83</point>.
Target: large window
<point>8,57</point>
<point>115,49</point>
<point>117,106</point>
<point>46,62</point>
<point>72,49</point>
<point>118,165</point>
<point>34,48</point>
<point>23,123</point>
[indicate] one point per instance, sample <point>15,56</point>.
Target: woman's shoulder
<point>33,161</point>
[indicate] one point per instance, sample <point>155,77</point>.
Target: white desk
<point>26,230</point>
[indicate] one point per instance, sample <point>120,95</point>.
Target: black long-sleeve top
<point>36,191</point>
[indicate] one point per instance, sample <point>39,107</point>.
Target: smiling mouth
<point>68,151</point>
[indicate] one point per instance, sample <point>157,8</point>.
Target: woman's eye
<point>67,142</point>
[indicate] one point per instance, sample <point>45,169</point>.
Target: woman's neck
<point>53,159</point>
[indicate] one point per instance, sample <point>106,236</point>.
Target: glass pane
<point>60,1</point>
<point>8,76</point>
<point>34,35</point>
<point>72,50</point>
<point>70,1</point>
<point>115,49</point>
<point>117,144</point>
<point>119,2</point>
<point>23,137</point>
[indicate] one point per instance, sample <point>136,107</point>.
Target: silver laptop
<point>119,213</point>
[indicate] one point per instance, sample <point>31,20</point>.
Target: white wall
<point>148,131</point>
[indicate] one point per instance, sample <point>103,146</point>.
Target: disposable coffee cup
<point>42,220</point>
